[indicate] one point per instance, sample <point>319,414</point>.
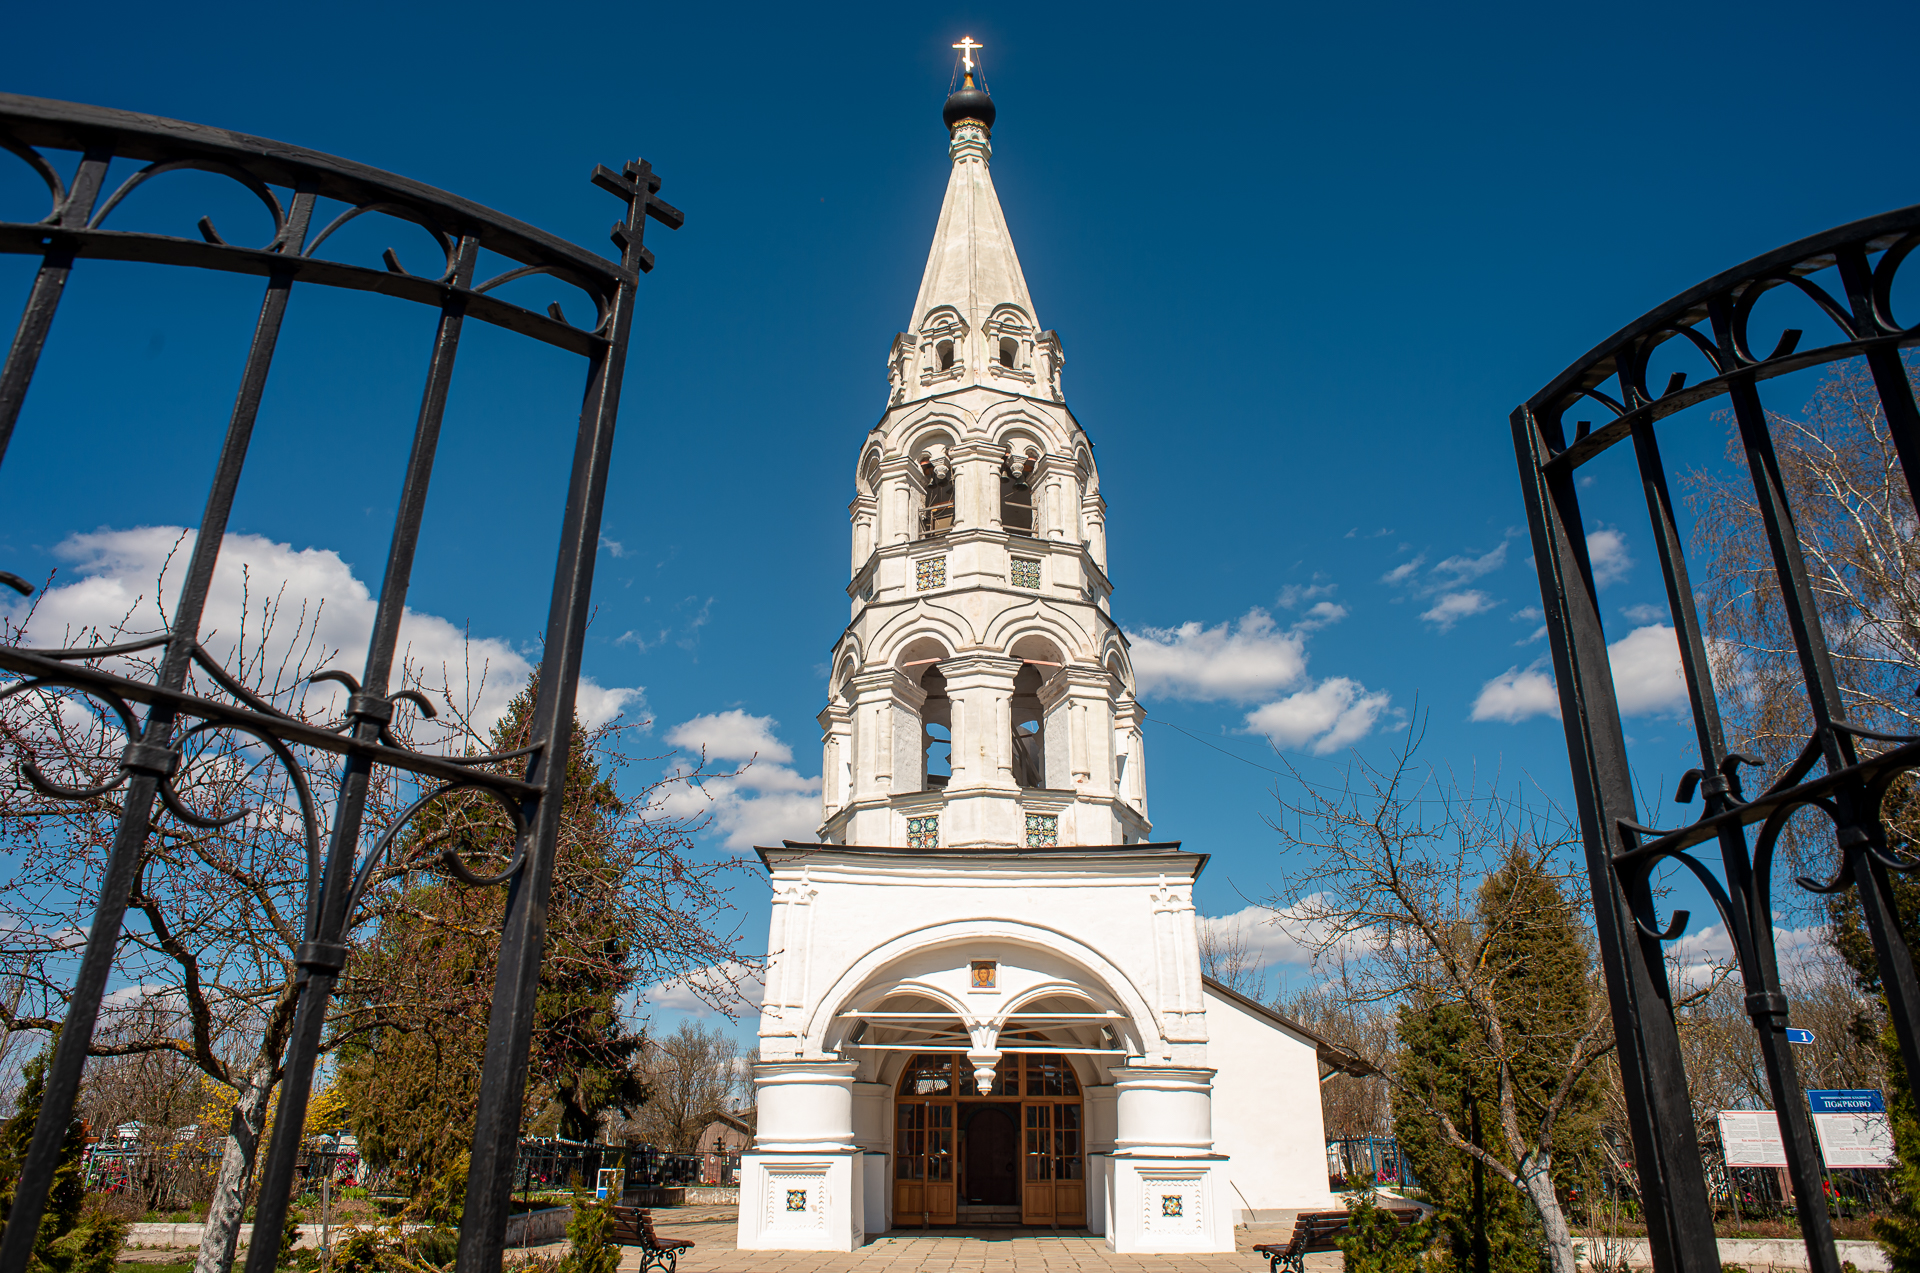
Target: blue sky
<point>1303,260</point>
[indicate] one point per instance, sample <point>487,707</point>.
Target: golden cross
<point>966,47</point>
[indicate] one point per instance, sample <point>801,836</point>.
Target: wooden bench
<point>633,1226</point>
<point>1314,1231</point>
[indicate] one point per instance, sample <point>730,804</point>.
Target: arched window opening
<point>936,730</point>
<point>936,518</point>
<point>1029,729</point>
<point>943,355</point>
<point>1016,492</point>
<point>1009,352</point>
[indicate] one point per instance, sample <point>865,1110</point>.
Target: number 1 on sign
<point>1799,1036</point>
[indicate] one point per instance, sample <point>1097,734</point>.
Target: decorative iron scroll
<point>291,184</point>
<point>1848,274</point>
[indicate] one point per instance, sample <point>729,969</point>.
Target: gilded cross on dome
<point>966,47</point>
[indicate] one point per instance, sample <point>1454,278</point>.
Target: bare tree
<point>1230,959</point>
<point>1391,899</point>
<point>1855,522</point>
<point>692,1074</point>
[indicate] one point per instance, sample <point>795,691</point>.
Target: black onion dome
<point>969,103</point>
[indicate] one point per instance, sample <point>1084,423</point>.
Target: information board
<point>1751,1138</point>
<point>1852,1127</point>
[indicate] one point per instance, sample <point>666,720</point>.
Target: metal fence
<point>1849,274</point>
<point>1352,1160</point>
<point>92,161</point>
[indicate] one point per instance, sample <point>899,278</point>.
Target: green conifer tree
<point>1538,961</point>
<point>71,1238</point>
<point>423,988</point>
<point>1898,1229</point>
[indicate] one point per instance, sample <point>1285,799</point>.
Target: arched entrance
<point>1013,1155</point>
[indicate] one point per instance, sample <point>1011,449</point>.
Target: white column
<point>885,705</point>
<point>1163,1111</point>
<point>801,1186</point>
<point>1169,1190</point>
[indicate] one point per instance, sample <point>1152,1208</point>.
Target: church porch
<point>995,1250</point>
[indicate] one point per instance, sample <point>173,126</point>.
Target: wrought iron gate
<point>1857,264</point>
<point>292,183</point>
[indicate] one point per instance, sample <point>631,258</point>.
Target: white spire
<point>972,266</point>
<point>973,321</point>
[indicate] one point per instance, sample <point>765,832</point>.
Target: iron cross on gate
<point>636,183</point>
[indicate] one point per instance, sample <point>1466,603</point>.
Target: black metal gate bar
<point>73,230</point>
<point>50,282</point>
<point>496,1132</point>
<point>1746,899</point>
<point>1666,1162</point>
<point>1621,853</point>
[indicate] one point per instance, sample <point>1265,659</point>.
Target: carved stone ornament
<point>1020,467</point>
<point>935,464</point>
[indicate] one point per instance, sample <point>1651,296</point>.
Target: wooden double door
<point>1011,1151</point>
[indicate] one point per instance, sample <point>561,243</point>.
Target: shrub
<point>588,1250</point>
<point>1379,1243</point>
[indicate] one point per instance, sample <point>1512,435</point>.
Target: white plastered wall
<point>1267,1119</point>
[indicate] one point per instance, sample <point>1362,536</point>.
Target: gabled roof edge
<point>1324,1049</point>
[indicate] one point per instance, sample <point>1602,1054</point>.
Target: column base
<point>802,1201</point>
<point>1163,1205</point>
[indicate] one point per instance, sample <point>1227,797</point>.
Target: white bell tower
<point>984,998</point>
<point>982,695</point>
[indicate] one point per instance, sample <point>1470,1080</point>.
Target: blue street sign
<point>1799,1036</point>
<point>1847,1101</point>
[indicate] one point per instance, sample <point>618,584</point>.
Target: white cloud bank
<point>1272,937</point>
<point>1238,662</point>
<point>766,800</point>
<point>1254,658</point>
<point>730,988</point>
<point>261,593</point>
<point>1647,681</point>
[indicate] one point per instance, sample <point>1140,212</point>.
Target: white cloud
<point>1268,936</point>
<point>1644,614</point>
<point>1336,713</point>
<point>1463,568</point>
<point>1515,695</point>
<point>731,735</point>
<point>1646,671</point>
<point>1455,606</point>
<point>1646,681</point>
<point>1293,594</point>
<point>1404,571</point>
<point>764,801</point>
<point>1320,616</point>
<point>1607,552</point>
<point>280,599</point>
<point>1250,660</point>
<point>1239,661</point>
<point>730,987</point>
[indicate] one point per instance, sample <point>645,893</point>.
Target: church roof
<point>1330,1054</point>
<point>1163,848</point>
<point>972,266</point>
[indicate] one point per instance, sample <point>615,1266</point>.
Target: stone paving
<point>711,1229</point>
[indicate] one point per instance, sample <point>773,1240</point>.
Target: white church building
<point>984,999</point>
